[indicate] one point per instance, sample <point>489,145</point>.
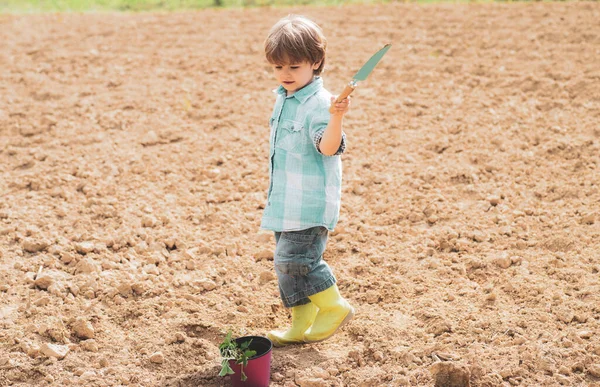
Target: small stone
<point>566,316</point>
<point>594,370</point>
<point>564,370</point>
<point>264,255</point>
<point>33,351</point>
<point>577,367</point>
<point>141,248</point>
<point>218,250</point>
<point>125,289</point>
<point>205,284</point>
<point>74,289</point>
<point>180,337</point>
<point>157,358</point>
<point>190,265</point>
<point>439,327</point>
<point>333,371</point>
<point>66,257</point>
<point>494,200</point>
<point>7,230</point>
<point>54,350</point>
<point>89,345</point>
<point>85,266</point>
<point>87,375</point>
<point>84,247</point>
<point>149,221</point>
<point>432,219</point>
<point>138,288</point>
<point>479,236</point>
<point>545,364</point>
<point>278,377</point>
<point>588,219</point>
<point>491,297</point>
<point>449,374</point>
<point>83,329</point>
<point>516,260</point>
<point>268,237</point>
<point>307,380</point>
<point>585,334</point>
<point>150,138</point>
<point>44,281</point>
<point>35,246</point>
<point>42,301</point>
<point>189,254</point>
<point>372,297</point>
<point>266,277</point>
<point>171,243</point>
<point>503,261</point>
<point>519,340</point>
<point>151,269</point>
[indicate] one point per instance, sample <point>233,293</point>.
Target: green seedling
<point>231,351</point>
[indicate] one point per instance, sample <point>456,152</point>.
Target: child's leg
<point>301,272</point>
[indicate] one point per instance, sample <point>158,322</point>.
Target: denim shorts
<point>301,270</point>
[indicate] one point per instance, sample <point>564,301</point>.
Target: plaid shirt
<point>305,186</point>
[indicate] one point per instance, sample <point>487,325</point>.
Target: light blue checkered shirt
<point>305,186</point>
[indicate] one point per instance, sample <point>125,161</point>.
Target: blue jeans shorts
<point>301,270</point>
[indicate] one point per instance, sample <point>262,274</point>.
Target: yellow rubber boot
<point>334,312</point>
<point>302,318</point>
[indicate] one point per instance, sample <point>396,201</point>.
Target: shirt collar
<point>303,94</point>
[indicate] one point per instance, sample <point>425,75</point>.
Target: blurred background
<point>174,5</point>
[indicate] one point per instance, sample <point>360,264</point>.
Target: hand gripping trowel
<point>361,75</point>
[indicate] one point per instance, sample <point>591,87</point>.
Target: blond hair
<point>295,39</point>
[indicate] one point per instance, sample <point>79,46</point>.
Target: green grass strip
<point>38,6</point>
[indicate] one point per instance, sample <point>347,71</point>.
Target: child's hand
<point>340,108</point>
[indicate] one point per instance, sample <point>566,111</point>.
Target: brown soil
<point>133,171</point>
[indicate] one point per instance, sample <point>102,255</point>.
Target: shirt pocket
<point>291,136</point>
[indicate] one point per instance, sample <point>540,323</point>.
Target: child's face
<point>294,76</point>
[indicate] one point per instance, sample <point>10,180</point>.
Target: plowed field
<point>134,170</point>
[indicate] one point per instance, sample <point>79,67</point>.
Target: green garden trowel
<point>362,74</point>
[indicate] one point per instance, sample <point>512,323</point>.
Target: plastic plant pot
<point>258,370</point>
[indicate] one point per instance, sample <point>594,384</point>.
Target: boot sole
<point>344,322</point>
<point>279,342</point>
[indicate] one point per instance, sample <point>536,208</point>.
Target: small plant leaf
<point>245,345</point>
<point>225,368</point>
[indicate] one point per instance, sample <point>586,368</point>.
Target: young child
<point>304,195</point>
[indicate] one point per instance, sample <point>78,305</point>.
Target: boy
<point>304,194</point>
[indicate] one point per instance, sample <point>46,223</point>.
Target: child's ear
<point>316,65</point>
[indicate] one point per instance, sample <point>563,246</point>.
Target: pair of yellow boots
<point>316,321</point>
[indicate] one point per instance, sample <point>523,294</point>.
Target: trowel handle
<point>347,91</point>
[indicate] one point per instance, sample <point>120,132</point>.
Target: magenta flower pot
<point>258,370</point>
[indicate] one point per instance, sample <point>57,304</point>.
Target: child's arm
<point>332,137</point>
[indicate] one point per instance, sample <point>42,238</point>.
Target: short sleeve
<point>316,130</point>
